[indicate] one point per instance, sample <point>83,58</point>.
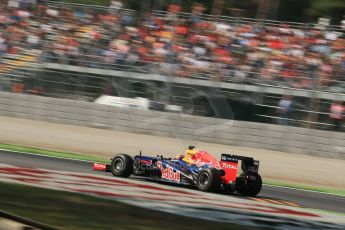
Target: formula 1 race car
<point>195,168</point>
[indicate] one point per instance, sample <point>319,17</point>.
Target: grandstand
<point>77,52</point>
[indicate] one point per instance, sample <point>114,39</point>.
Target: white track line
<point>304,190</point>
<point>42,155</point>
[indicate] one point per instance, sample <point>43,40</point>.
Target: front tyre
<point>122,165</point>
<point>208,180</point>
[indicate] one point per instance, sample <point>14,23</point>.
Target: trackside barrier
<point>204,129</point>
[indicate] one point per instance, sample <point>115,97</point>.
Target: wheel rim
<point>204,179</point>
<point>118,165</point>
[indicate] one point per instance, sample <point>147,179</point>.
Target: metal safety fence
<point>254,106</point>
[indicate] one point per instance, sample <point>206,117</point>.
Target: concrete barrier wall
<point>247,134</point>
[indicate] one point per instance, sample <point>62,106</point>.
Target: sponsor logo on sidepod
<point>148,162</point>
<point>168,172</point>
<point>97,166</point>
<point>229,166</point>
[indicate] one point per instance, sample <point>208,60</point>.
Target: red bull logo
<point>168,172</point>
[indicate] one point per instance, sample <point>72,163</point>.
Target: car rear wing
<point>248,163</point>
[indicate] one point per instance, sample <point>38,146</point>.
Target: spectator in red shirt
<point>336,114</point>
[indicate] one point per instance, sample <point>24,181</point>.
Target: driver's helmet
<point>190,152</point>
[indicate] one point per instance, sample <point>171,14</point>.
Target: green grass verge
<point>98,159</point>
<point>66,210</point>
<point>304,187</point>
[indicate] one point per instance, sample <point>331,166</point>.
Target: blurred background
<point>269,61</point>
<point>273,70</point>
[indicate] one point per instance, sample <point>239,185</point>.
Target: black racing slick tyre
<point>122,165</point>
<point>250,187</point>
<point>208,180</point>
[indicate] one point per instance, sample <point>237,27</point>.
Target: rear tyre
<point>208,180</point>
<point>122,165</point>
<point>248,186</point>
<point>229,188</point>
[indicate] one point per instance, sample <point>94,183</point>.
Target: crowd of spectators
<point>189,47</point>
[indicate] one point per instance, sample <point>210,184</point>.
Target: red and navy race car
<point>195,168</point>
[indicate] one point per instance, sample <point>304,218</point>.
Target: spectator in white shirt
<point>116,5</point>
<point>285,106</point>
<point>13,3</point>
<point>343,24</point>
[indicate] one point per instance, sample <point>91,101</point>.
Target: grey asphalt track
<point>303,198</point>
